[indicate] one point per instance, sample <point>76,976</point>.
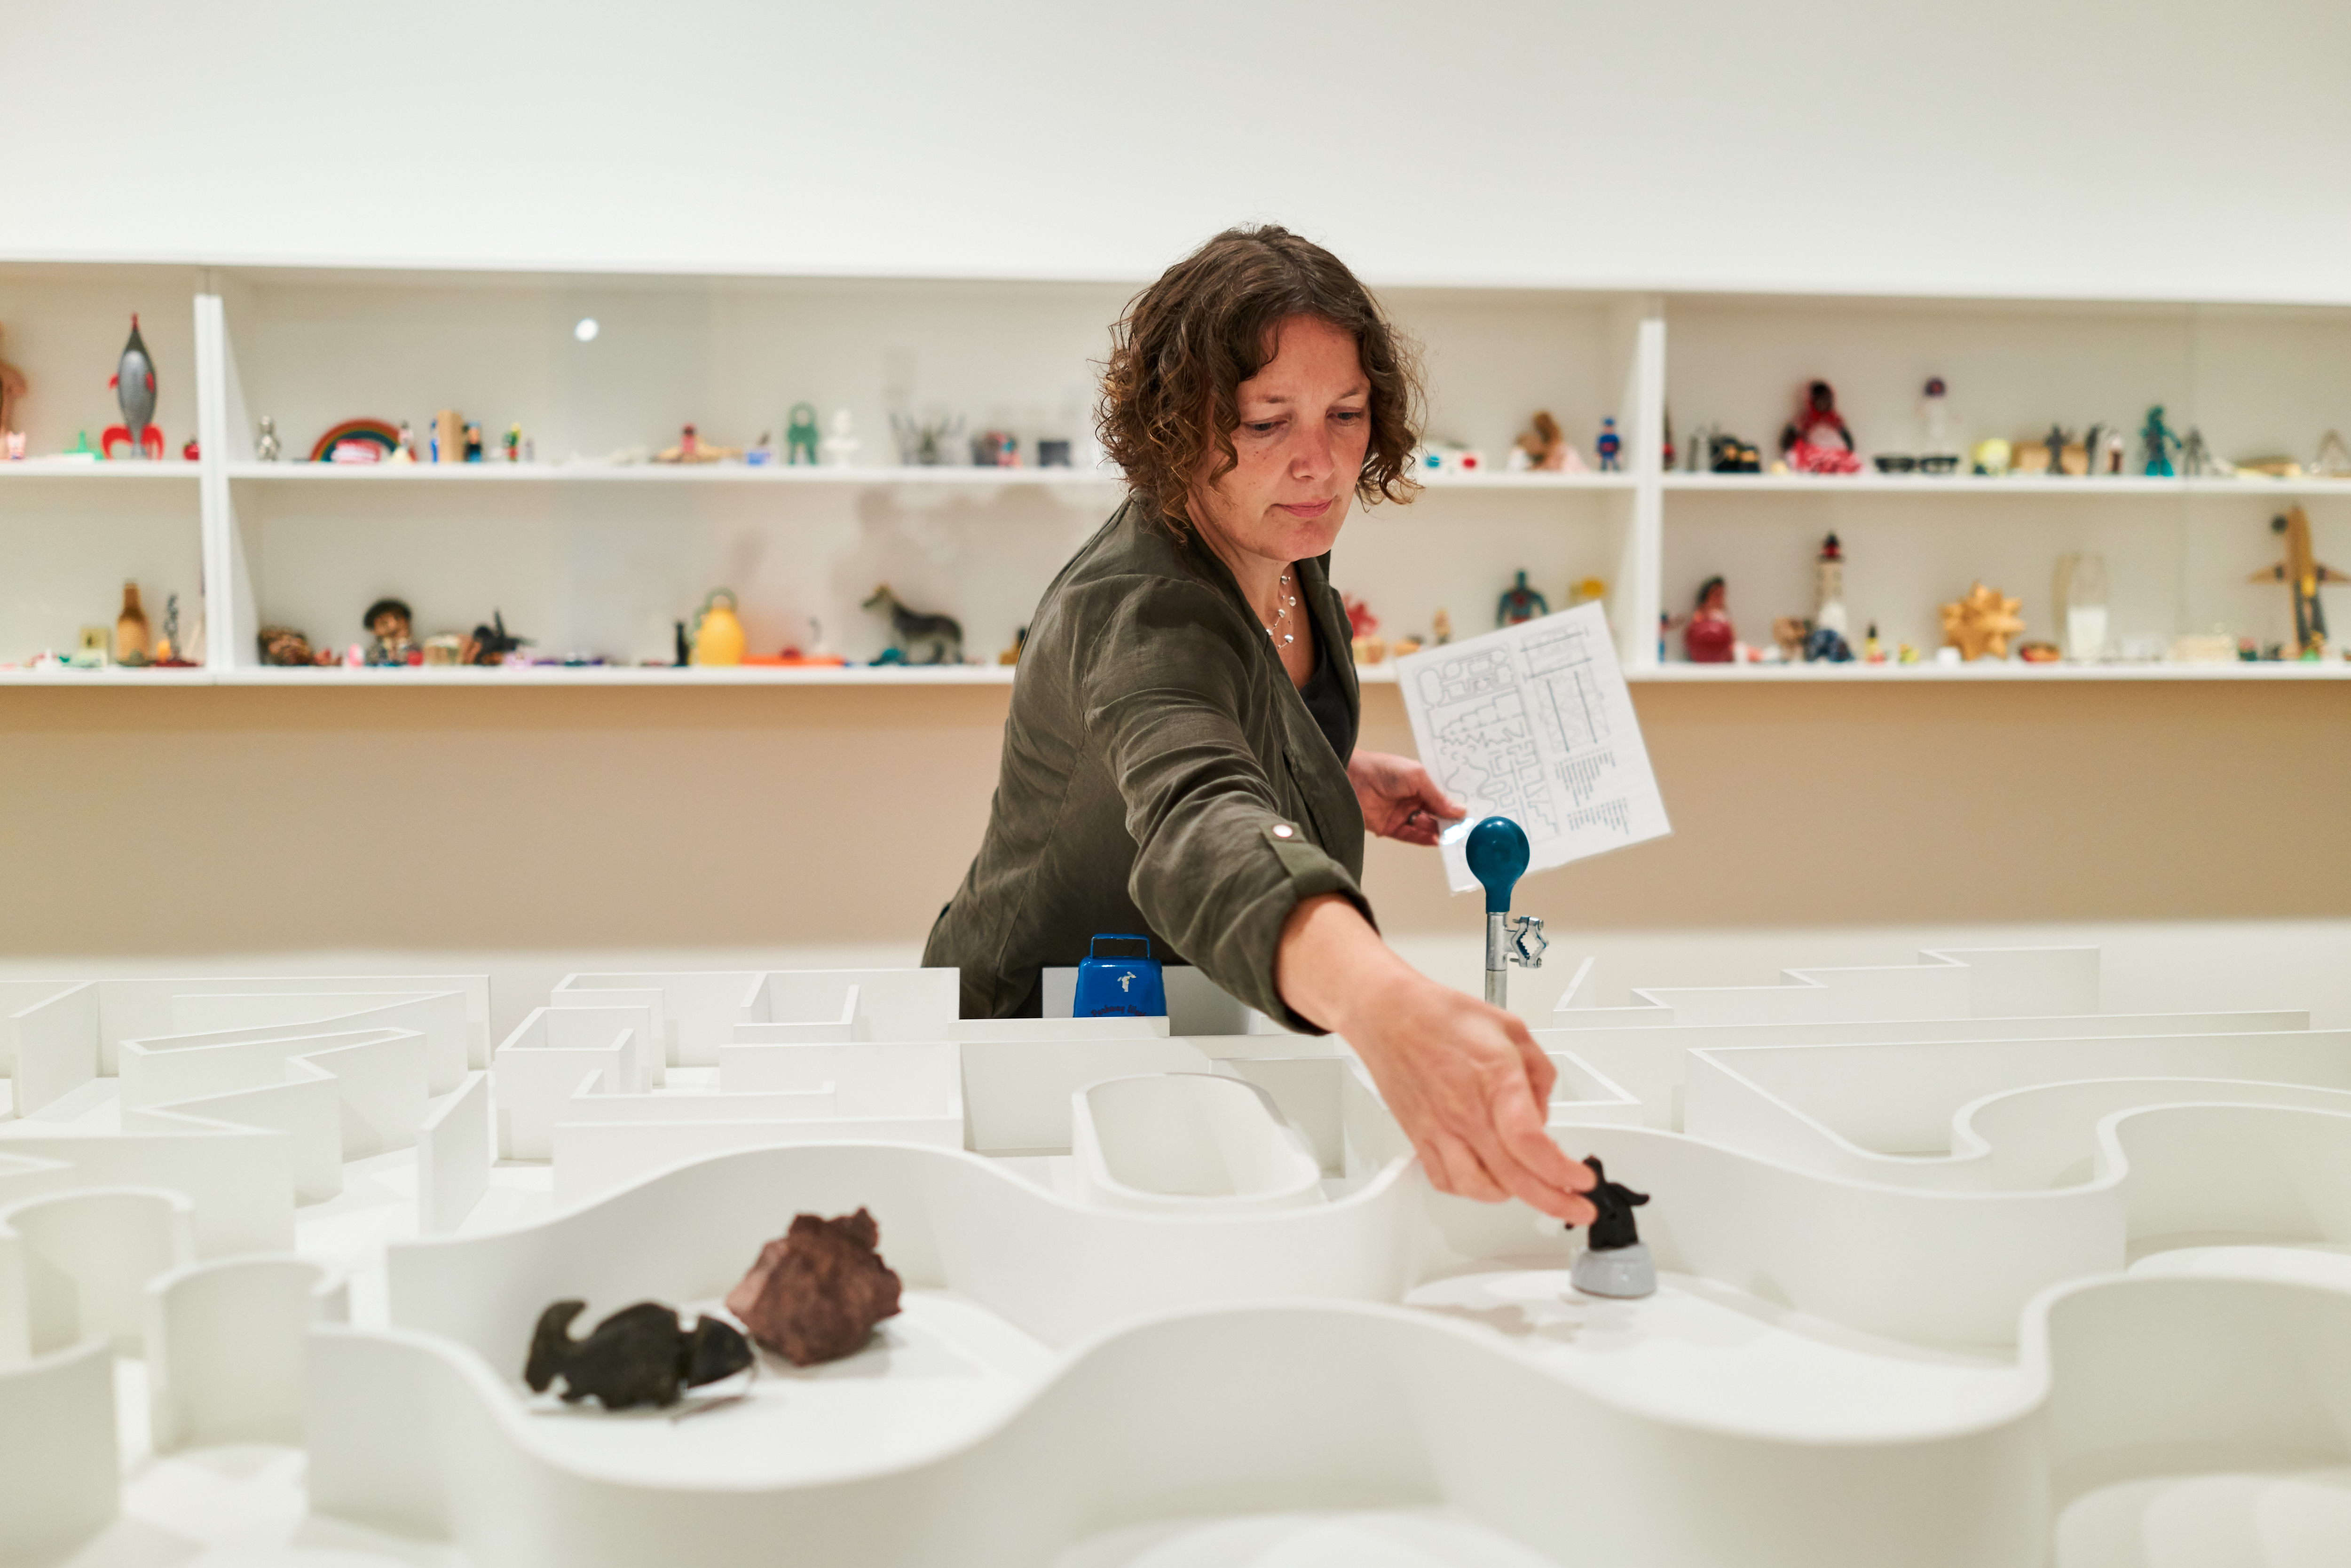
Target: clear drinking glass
<point>2082,600</point>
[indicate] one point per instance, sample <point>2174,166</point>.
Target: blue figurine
<point>2160,445</point>
<point>1520,603</point>
<point>1609,444</point>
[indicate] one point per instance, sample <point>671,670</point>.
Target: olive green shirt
<point>1161,777</point>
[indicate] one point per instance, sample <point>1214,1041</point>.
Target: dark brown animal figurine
<point>920,639</point>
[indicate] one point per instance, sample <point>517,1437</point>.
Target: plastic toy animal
<point>918,638</point>
<point>134,388</point>
<point>2160,443</point>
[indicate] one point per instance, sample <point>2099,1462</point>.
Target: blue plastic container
<point>1123,982</point>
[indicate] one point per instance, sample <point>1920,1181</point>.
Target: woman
<point>1180,756</point>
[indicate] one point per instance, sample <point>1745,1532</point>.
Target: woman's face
<point>1305,423</point>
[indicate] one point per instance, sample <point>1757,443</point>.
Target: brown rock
<point>816,1293</point>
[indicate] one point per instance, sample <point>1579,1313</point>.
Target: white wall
<point>2143,147</point>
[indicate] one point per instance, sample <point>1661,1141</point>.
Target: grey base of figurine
<point>1621,1272</point>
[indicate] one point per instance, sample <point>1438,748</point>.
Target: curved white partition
<point>79,1262</point>
<point>227,1346</point>
<point>1175,1143</point>
<point>61,1476</point>
<point>1053,1268</point>
<point>1205,1412</point>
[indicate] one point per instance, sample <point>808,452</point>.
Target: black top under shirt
<point>1326,700</point>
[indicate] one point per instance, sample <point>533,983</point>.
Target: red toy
<point>1709,639</point>
<point>1817,441</point>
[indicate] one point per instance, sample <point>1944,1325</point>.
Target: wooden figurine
<point>1982,622</point>
<point>2302,571</point>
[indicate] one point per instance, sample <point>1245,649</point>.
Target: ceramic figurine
<point>284,645</point>
<point>393,625</point>
<point>407,452</point>
<point>799,435</point>
<point>1826,645</point>
<point>1981,623</point>
<point>1788,634</point>
<point>718,638</point>
<point>15,439</point>
<point>1816,441</point>
<point>2158,444</point>
<point>1991,457</point>
<point>13,387</point>
<point>1708,638</point>
<point>639,1355</point>
<point>1520,603</point>
<point>914,633</point>
<point>2303,573</point>
<point>1828,586</point>
<point>494,645</point>
<point>692,448</point>
<point>133,642</point>
<point>1872,649</point>
<point>1608,447</point>
<point>1440,628</point>
<point>841,444</point>
<point>134,391</point>
<point>1614,1261</point>
<point>1728,454</point>
<point>1545,448</point>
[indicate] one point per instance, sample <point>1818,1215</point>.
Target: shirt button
<point>1282,830</point>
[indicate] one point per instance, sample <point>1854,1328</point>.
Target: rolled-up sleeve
<point>1217,866</point>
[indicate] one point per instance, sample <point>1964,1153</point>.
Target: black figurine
<point>1614,1261</point>
<point>639,1356</point>
<point>494,645</point>
<point>1613,1228</point>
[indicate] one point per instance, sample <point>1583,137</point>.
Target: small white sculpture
<point>840,444</point>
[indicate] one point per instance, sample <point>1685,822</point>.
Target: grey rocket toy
<point>134,389</point>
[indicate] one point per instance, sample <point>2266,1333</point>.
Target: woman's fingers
<point>1462,1173</point>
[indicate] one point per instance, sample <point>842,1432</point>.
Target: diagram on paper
<point>1535,723</point>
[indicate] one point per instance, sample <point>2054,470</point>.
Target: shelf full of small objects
<point>460,477</point>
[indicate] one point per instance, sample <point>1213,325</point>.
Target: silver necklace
<point>1283,603</point>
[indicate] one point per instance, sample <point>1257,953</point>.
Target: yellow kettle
<point>717,635</point>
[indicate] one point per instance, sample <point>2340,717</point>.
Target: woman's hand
<point>1400,799</point>
<point>1464,1080</point>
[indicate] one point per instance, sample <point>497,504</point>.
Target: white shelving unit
<point>593,557</point>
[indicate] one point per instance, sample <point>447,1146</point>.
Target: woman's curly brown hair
<point>1179,355</point>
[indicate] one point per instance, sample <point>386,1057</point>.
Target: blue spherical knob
<point>1498,855</point>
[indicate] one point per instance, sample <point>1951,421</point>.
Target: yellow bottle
<point>717,633</point>
<point>133,642</point>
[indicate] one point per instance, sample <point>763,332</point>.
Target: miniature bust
<point>393,625</point>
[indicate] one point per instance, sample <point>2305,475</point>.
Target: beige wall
<point>213,821</point>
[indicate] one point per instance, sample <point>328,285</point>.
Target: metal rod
<point>1498,958</point>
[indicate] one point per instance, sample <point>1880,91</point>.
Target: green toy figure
<point>1520,603</point>
<point>2160,445</point>
<point>800,437</point>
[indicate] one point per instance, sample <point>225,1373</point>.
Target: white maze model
<point>1955,1268</point>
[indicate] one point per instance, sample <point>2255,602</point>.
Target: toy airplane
<point>2302,572</point>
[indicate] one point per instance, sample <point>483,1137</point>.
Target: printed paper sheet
<point>1535,723</point>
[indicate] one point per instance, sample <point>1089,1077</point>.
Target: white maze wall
<point>1955,1268</point>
